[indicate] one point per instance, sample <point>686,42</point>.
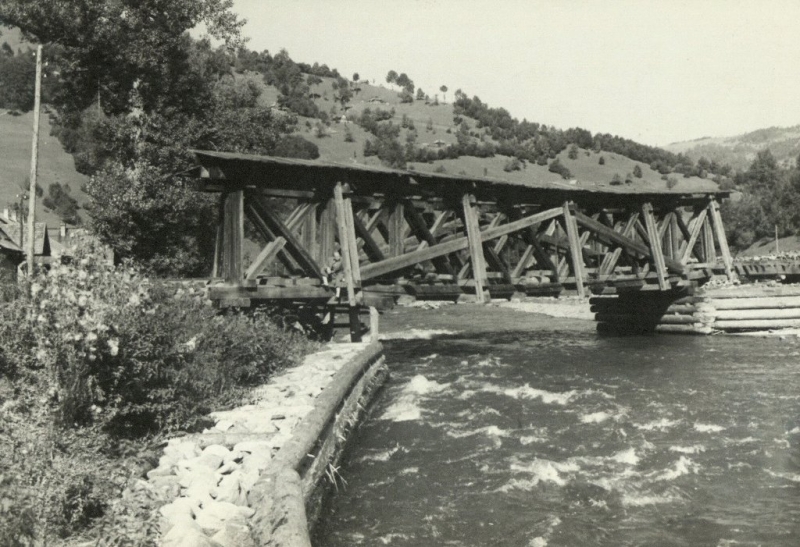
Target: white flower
<point>113,346</point>
<point>35,289</point>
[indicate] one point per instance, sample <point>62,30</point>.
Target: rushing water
<point>564,438</point>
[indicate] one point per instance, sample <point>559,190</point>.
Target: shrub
<point>557,167</point>
<point>512,164</point>
<point>135,357</point>
<point>616,180</point>
<point>573,152</point>
<point>295,146</point>
<point>602,160</point>
<point>637,172</point>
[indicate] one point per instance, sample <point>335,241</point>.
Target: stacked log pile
<point>732,309</point>
<point>748,308</point>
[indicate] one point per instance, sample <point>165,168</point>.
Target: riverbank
<point>228,486</point>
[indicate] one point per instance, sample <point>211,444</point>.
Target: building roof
<point>10,237</point>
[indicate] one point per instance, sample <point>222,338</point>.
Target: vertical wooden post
<point>675,233</point>
<point>709,251</point>
<point>310,235</point>
<point>655,245</point>
<point>472,225</point>
<point>233,236</point>
<point>574,248</point>
<point>396,233</point>
<point>352,243</point>
<point>327,233</point>
<point>31,243</point>
<point>217,252</point>
<point>719,231</point>
<point>374,323</point>
<point>347,264</point>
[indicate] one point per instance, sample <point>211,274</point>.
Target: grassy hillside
<point>55,165</point>
<point>739,151</point>
<point>435,128</point>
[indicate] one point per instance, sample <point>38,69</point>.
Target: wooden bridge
<point>349,236</point>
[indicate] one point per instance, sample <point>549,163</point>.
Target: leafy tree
<point>443,89</point>
<point>637,172</point>
<point>573,152</point>
<point>420,94</point>
<point>391,77</point>
<point>355,76</point>
<point>602,160</point>
<point>616,180</point>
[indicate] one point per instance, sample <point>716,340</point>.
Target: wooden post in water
<point>37,99</point>
<point>473,229</point>
<point>655,245</point>
<point>575,248</point>
<point>719,232</point>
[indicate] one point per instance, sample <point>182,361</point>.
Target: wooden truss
<point>334,241</point>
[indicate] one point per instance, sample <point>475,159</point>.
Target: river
<point>515,429</point>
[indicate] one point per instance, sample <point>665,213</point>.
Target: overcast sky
<point>654,71</point>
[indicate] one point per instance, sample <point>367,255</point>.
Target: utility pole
<point>31,247</point>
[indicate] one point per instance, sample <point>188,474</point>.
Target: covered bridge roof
<point>224,169</point>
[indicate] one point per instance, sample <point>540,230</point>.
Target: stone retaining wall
<point>258,477</point>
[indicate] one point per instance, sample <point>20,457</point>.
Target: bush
<point>512,164</point>
<point>601,161</point>
<point>557,167</point>
<point>134,357</point>
<point>295,146</point>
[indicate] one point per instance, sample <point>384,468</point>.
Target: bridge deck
<point>353,235</point>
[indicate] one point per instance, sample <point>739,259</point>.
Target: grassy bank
<point>98,365</point>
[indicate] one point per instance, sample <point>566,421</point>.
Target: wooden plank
<point>693,235</point>
<point>233,236</point>
<point>475,246</point>
<point>371,248</point>
<point>655,245</point>
<point>267,292</point>
<point>719,232</point>
<point>352,244</point>
<point>739,314</point>
<point>757,324</point>
<point>709,250</point>
<point>426,237</point>
<point>396,226</point>
<point>751,292</point>
<point>457,244</point>
<point>604,232</point>
<point>217,252</point>
<point>264,258</point>
<point>327,234</point>
<point>523,262</point>
<point>297,216</point>
<point>344,244</point>
<point>760,303</point>
<point>611,259</point>
<point>575,248</point>
<point>309,233</point>
<point>293,245</point>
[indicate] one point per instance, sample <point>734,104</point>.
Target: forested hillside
<point>132,112</point>
<point>740,151</point>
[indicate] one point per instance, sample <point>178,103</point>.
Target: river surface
<point>530,432</point>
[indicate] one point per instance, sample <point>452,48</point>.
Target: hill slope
<point>739,151</point>
<point>55,165</point>
<point>434,127</point>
